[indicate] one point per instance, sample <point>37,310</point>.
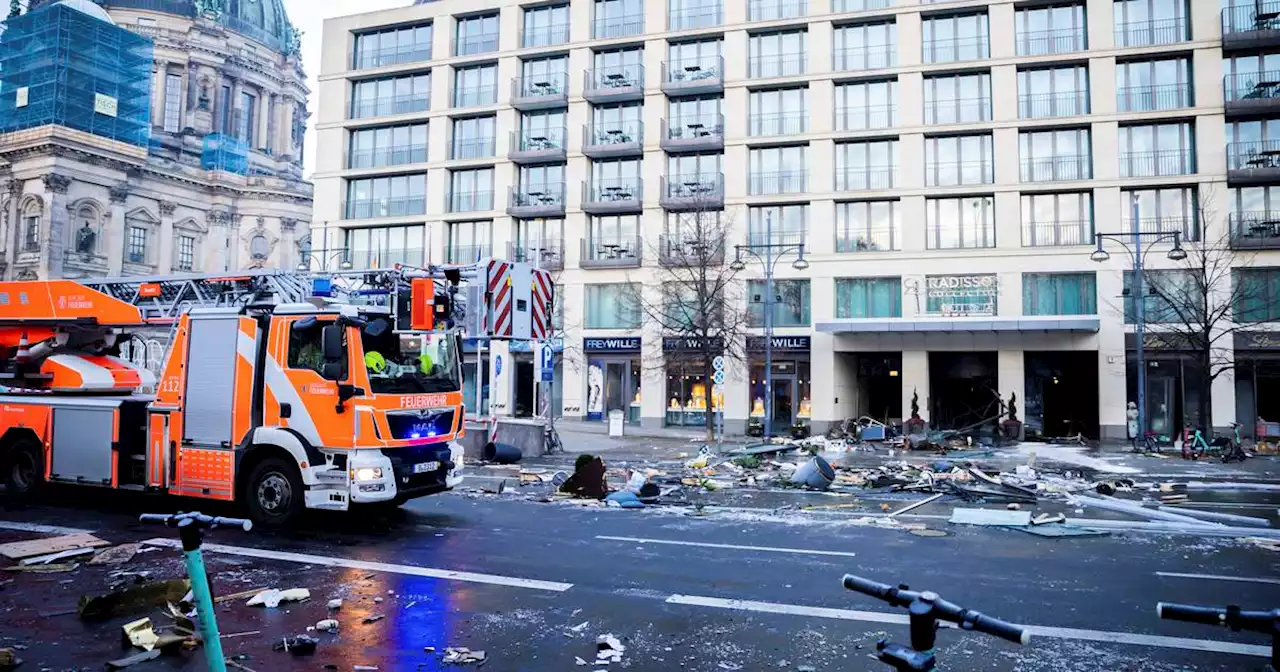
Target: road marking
<point>734,547</point>
<point>410,570</point>
<point>1054,632</point>
<point>1219,577</point>
<point>43,529</point>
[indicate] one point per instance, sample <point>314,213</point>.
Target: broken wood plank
<point>916,505</point>
<point>238,596</point>
<point>60,555</point>
<point>18,550</point>
<point>133,660</point>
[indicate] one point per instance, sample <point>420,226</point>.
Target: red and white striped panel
<point>542,295</point>
<point>500,298</point>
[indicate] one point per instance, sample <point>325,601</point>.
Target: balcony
<point>390,105</point>
<point>1153,98</point>
<point>778,123</point>
<point>693,134</point>
<point>774,10</point>
<point>540,92</point>
<point>959,111</point>
<point>369,208</point>
<point>544,36</point>
<point>693,76</point>
<point>480,43</point>
<point>386,156</point>
<point>546,145</point>
<point>1188,226</point>
<point>611,141</point>
<point>865,178</point>
<point>864,59</point>
<point>619,84</point>
<point>1253,93</point>
<point>695,17</point>
<point>1045,42</point>
<point>475,96</point>
<point>1057,233</point>
<point>778,182</point>
<point>386,258</point>
<point>1151,33</point>
<point>866,117</point>
<point>690,251</point>
<point>539,200</point>
<point>776,65</point>
<point>776,237</point>
<point>611,27</point>
<point>1044,105</point>
<point>612,253</point>
<point>692,193</point>
<point>1057,168</point>
<point>1158,163</point>
<point>470,201</point>
<point>466,254</point>
<point>958,173</point>
<point>1253,162</point>
<point>1255,230</point>
<point>472,148</point>
<point>613,196</point>
<point>1251,26</point>
<point>547,255</point>
<point>955,49</point>
<point>879,238</point>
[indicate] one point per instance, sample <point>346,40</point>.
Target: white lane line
<point>410,570</point>
<point>1158,641</point>
<point>1219,577</point>
<point>43,529</point>
<point>734,547</point>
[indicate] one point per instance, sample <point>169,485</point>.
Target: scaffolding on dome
<point>225,152</point>
<point>61,66</point>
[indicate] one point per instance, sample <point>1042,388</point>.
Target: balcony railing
<point>474,148</point>
<point>389,105</point>
<point>537,200</point>
<point>1150,33</point>
<point>1253,25</point>
<point>613,195</point>
<point>1043,42</point>
<point>776,237</point>
<point>540,143</point>
<point>545,36</point>
<point>1259,230</point>
<point>367,208</point>
<point>859,5</point>
<point>1253,88</point>
<point>1157,163</point>
<point>1042,105</point>
<point>614,139</point>
<point>773,10</point>
<point>361,259</point>
<point>777,65</point>
<point>1153,98</point>
<point>779,182</point>
<point>1257,161</point>
<point>609,27</point>
<point>393,55</point>
<point>1188,226</point>
<point>693,132</point>
<point>387,156</point>
<point>864,59</point>
<point>865,178</point>
<point>547,254</point>
<point>471,201</point>
<point>956,173</point>
<point>695,17</point>
<point>1057,168</point>
<point>694,74</point>
<point>537,91</point>
<point>475,96</point>
<point>611,252</point>
<point>1058,233</point>
<point>481,43</point>
<point>692,250</point>
<point>465,254</point>
<point>866,117</point>
<point>950,50</point>
<point>960,111</point>
<point>869,239</point>
<point>693,192</point>
<point>778,123</point>
<point>614,83</point>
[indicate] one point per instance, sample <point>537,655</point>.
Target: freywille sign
<point>780,343</point>
<point>611,344</point>
<point>677,343</point>
<point>958,295</point>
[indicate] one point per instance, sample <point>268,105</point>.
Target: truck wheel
<point>275,492</point>
<point>22,468</point>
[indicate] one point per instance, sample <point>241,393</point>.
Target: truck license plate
<point>424,467</point>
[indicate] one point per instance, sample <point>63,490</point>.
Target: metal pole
<point>536,345</point>
<point>1139,313</point>
<point>768,325</point>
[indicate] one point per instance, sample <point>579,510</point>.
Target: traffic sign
<point>718,377</point>
<point>546,363</point>
<point>497,365</point>
<point>718,363</point>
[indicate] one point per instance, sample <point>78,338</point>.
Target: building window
<point>1168,297</point>
<point>475,85</point>
<point>958,160</point>
<point>868,226</point>
<point>778,170</point>
<point>773,10</point>
<point>697,169</point>
<point>388,146</point>
<point>248,128</point>
<point>866,46</point>
<point>957,99</point>
<point>1254,212</point>
<point>31,233</point>
<point>473,137</point>
<point>1163,211</point>
<point>136,245</point>
<point>1053,156</point>
<point>544,77</point>
<point>956,38</point>
<point>859,5</point>
<point>618,18</point>
<point>864,106</point>
<point>777,224</point>
<point>866,165</point>
<point>1250,77</point>
<point>1053,92</point>
<point>695,60</point>
<point>545,26</point>
<point>790,303</point>
<point>1056,29</point>
<point>1046,294</point>
<point>476,35</point>
<point>393,95</point>
<point>1252,144</point>
<point>186,253</point>
<point>960,223</point>
<point>780,54</point>
<point>1142,23</point>
<point>1147,86</point>
<point>409,44</point>
<point>1154,150</point>
<point>689,14</point>
<point>225,118</point>
<point>398,196</point>
<point>1256,295</point>
<point>612,306</point>
<point>172,103</point>
<point>1057,219</point>
<point>616,124</point>
<point>381,247</point>
<point>471,190</point>
<point>861,298</point>
<point>540,242</point>
<point>779,112</point>
<point>469,241</point>
<point>614,237</point>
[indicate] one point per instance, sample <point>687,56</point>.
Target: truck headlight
<point>369,474</point>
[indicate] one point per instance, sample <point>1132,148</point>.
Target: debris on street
<point>273,597</point>
<point>327,625</point>
<point>141,634</point>
<point>608,650</point>
<point>20,550</point>
<point>301,645</point>
<point>462,656</point>
<point>133,660</point>
<point>133,599</point>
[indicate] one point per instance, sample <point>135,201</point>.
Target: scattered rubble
<point>273,597</point>
<point>301,645</point>
<point>462,656</point>
<point>132,599</point>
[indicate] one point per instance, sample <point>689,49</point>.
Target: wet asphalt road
<point>626,587</point>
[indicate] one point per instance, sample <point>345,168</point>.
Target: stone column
<point>115,233</point>
<point>288,246</point>
<point>234,256</point>
<point>263,119</point>
<point>157,93</point>
<point>164,264</point>
<point>915,380</point>
<point>55,189</point>
<point>12,226</point>
<point>219,222</point>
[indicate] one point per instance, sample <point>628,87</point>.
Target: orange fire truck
<point>281,391</point>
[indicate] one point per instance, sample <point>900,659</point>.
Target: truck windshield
<point>409,363</point>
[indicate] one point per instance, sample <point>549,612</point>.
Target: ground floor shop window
<point>613,384</point>
<point>687,385</point>
<point>790,392</point>
<point>1062,394</point>
<point>469,385</point>
<point>1173,393</point>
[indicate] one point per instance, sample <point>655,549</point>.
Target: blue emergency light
<point>321,287</point>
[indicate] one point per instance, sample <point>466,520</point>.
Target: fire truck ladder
<point>164,298</point>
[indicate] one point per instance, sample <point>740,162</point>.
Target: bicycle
<point>551,440</point>
<point>1233,617</point>
<point>1228,449</point>
<point>926,608</point>
<point>191,527</point>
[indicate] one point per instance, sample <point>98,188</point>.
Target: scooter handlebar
<point>943,610</point>
<point>998,628</point>
<point>898,597</point>
<point>1191,613</point>
<point>1232,616</point>
<point>208,522</point>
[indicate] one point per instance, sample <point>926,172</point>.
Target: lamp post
<point>768,253</point>
<point>324,256</point>
<point>1137,254</point>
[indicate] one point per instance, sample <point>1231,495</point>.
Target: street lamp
<point>325,257</point>
<point>768,253</point>
<point>1137,255</point>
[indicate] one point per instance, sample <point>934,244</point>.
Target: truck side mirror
<point>332,351</point>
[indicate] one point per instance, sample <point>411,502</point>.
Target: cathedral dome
<point>262,20</point>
